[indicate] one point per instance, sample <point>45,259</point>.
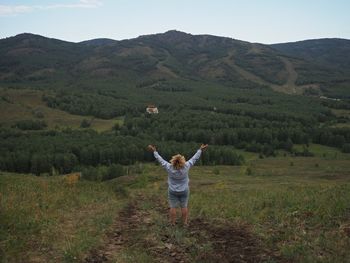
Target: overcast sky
<point>263,21</point>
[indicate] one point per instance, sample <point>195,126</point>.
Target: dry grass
<point>16,105</point>
<point>341,113</point>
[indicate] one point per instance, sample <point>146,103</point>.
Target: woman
<point>178,189</point>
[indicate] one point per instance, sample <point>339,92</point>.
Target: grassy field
<point>341,113</point>
<point>326,152</point>
<point>282,209</point>
<point>22,104</point>
<point>301,209</point>
<point>52,219</point>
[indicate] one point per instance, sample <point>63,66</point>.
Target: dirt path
<point>230,243</point>
<point>117,238</point>
<point>129,230</point>
<point>201,242</point>
<point>289,87</point>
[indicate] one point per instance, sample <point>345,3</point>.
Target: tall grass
<point>50,218</point>
<point>302,211</point>
<point>305,219</point>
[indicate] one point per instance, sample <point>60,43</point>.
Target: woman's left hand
<point>203,147</point>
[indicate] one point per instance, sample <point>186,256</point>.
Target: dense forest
<point>224,92</point>
<point>252,123</point>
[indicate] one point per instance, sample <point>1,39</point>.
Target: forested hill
<point>235,95</point>
<point>331,52</point>
<point>321,66</point>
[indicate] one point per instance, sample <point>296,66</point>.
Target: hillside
<point>66,105</point>
<point>77,183</point>
<point>33,57</point>
<point>98,42</point>
<point>33,60</point>
<point>265,211</point>
<point>24,105</point>
<point>330,60</point>
<point>331,52</point>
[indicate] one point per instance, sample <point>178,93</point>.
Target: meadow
<point>51,219</point>
<point>19,105</point>
<point>286,209</point>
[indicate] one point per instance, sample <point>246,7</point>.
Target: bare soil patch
<point>127,220</point>
<point>230,243</point>
<point>207,242</point>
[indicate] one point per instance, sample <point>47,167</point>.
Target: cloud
<point>10,10</point>
<point>6,10</point>
<point>91,2</point>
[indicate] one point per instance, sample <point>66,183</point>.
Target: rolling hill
<point>331,52</point>
<point>330,60</point>
<point>273,186</point>
<point>33,60</point>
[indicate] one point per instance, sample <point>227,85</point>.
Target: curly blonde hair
<point>178,161</point>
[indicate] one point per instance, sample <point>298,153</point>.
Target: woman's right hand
<point>203,147</point>
<point>151,148</point>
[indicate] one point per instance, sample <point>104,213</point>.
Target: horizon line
<point>170,30</point>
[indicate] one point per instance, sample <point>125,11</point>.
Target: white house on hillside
<point>151,109</point>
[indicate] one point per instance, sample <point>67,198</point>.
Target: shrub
<point>249,171</point>
<point>30,125</point>
<point>346,148</point>
<point>120,191</point>
<point>38,114</point>
<point>85,123</point>
<point>91,174</point>
<point>113,171</point>
<point>216,171</point>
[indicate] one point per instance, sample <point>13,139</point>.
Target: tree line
<point>71,150</point>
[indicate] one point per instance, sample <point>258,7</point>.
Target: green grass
<point>324,151</point>
<point>22,104</point>
<point>47,219</point>
<point>301,210</point>
<point>289,217</point>
<point>298,206</point>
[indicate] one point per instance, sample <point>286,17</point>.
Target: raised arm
<point>159,158</point>
<point>197,155</point>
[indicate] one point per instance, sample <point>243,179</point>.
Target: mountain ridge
<point>176,54</point>
<point>178,31</point>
